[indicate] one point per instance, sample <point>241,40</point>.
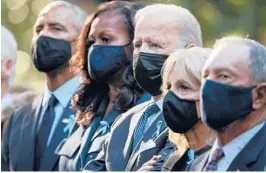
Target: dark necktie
<point>214,159</point>
<point>140,128</point>
<point>44,131</point>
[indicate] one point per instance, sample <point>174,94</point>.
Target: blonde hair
<point>188,64</point>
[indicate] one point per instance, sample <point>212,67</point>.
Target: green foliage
<point>218,18</point>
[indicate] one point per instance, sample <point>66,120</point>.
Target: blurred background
<point>217,18</point>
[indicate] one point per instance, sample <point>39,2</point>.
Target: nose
<point>145,48</point>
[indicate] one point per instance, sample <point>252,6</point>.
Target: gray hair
<point>9,50</point>
<point>257,56</point>
<point>79,16</point>
<point>188,24</point>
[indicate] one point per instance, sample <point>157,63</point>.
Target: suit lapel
<point>120,138</point>
<point>132,127</point>
<point>50,157</point>
<point>250,152</point>
<point>202,164</point>
<point>27,137</point>
<point>109,119</point>
<point>152,133</point>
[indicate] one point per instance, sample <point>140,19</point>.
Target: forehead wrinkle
<point>59,12</point>
<point>235,63</point>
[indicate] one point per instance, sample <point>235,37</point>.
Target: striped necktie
<point>214,159</point>
<point>139,130</point>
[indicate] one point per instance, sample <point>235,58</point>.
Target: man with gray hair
<point>35,130</point>
<point>233,104</point>
<point>11,97</point>
<point>8,64</point>
<point>140,134</point>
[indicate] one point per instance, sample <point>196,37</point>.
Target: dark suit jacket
<point>177,162</point>
<point>117,154</point>
<point>86,142</point>
<point>19,140</point>
<point>71,158</point>
<point>19,99</point>
<point>251,158</point>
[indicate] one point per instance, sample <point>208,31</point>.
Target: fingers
<point>149,165</point>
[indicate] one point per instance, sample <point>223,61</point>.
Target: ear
<point>259,96</point>
<point>7,67</point>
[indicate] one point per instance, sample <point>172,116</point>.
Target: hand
<point>150,164</point>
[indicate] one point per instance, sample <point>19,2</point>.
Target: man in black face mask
<point>233,104</point>
<point>141,133</point>
<point>35,130</point>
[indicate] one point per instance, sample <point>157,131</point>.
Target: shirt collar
<point>159,103</point>
<point>233,148</point>
<point>6,101</point>
<point>64,93</point>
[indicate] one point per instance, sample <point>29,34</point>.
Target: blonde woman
<point>181,109</point>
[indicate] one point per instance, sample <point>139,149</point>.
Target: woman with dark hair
<point>108,88</point>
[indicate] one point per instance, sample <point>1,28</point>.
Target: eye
<point>183,87</point>
<point>57,29</point>
<point>204,76</point>
<point>38,30</point>
<point>223,76</point>
<point>105,40</point>
<point>168,86</point>
<point>154,45</point>
<point>89,43</point>
<point>137,45</point>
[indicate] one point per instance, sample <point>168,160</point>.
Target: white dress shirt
<point>153,117</point>
<point>63,94</point>
<point>234,147</point>
<point>6,101</point>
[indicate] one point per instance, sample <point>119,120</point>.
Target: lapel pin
<point>69,123</point>
<point>105,127</point>
<point>158,129</point>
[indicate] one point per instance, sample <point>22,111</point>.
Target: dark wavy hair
<point>93,96</point>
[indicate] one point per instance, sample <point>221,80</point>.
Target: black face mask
<point>222,104</point>
<point>147,71</point>
<point>49,53</point>
<point>104,61</point>
<point>180,115</point>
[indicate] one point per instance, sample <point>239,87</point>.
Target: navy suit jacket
<point>251,158</point>
<point>18,144</point>
<point>117,153</point>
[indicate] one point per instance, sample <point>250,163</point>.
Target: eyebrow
<point>53,24</point>
<point>152,40</point>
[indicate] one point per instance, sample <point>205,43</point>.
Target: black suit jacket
<point>251,158</point>
<point>19,139</point>
<point>117,154</point>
